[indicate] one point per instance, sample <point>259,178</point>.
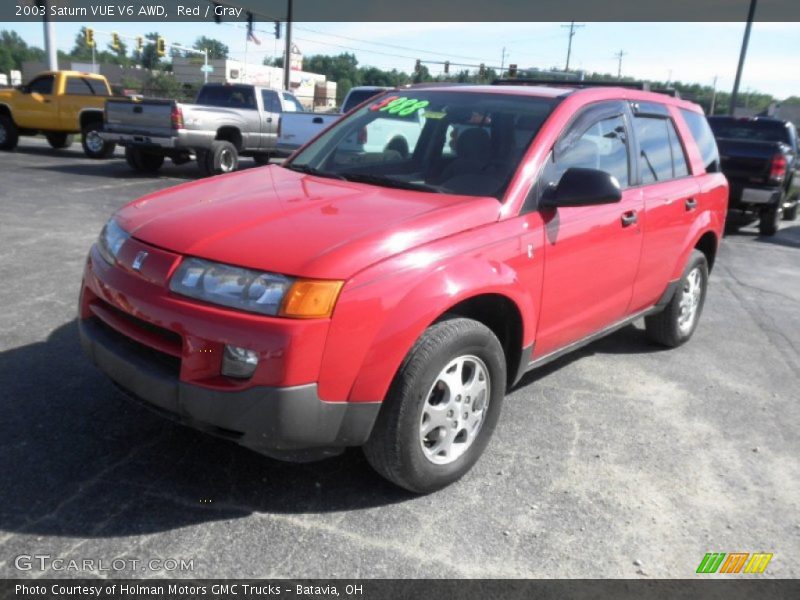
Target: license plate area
<point>754,196</point>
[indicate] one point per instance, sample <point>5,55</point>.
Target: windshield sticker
<point>400,106</point>
<point>430,114</point>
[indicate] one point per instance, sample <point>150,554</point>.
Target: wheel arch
<point>5,110</point>
<point>89,115</point>
<point>708,244</point>
<point>231,134</point>
<point>373,331</point>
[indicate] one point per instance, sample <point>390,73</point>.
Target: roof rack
<point>577,83</point>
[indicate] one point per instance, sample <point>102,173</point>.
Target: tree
<point>273,62</point>
<point>18,49</point>
<point>216,49</point>
<point>80,51</point>
<point>149,58</point>
<point>6,60</point>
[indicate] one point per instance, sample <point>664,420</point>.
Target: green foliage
<point>17,50</point>
<point>216,49</point>
<point>6,60</point>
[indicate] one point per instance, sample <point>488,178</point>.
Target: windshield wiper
<point>309,170</point>
<point>390,182</point>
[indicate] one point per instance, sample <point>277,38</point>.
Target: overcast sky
<point>689,52</point>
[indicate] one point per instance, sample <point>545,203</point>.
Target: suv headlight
<point>255,291</point>
<point>110,241</point>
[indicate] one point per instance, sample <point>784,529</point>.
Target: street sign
<point>207,69</point>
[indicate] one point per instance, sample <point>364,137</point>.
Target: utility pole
<point>288,55</point>
<point>713,96</point>
<point>502,61</point>
<point>750,14</point>
<point>572,28</point>
<point>49,36</point>
<point>619,56</point>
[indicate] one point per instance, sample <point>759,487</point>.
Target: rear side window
<point>704,139</point>
<point>82,86</point>
<point>228,96</point>
<point>291,103</point>
<point>661,155</point>
<point>655,156</point>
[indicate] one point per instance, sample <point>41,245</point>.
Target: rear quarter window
<point>704,138</point>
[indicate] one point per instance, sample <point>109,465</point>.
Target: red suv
<point>389,299</point>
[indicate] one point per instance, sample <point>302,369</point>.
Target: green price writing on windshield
<point>402,107</point>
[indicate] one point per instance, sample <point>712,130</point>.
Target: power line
<point>572,28</point>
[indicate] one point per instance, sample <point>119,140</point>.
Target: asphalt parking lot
<point>622,460</point>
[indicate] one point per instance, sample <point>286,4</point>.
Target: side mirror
<point>583,187</point>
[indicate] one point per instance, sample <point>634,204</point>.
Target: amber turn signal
<point>311,299</point>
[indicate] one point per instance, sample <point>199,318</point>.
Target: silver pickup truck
<point>226,122</point>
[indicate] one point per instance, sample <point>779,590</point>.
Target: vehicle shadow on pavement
<point>81,460</point>
<point>628,340</point>
<point>786,236</point>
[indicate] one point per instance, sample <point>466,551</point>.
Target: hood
<point>274,219</point>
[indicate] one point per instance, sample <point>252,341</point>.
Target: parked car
<point>297,130</point>
<point>57,104</point>
<point>759,156</point>
<point>391,302</point>
<point>226,122</point>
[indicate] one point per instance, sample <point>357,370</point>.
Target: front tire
<point>676,323</point>
<point>59,141</point>
<point>442,407</point>
<point>93,145</point>
<point>9,134</point>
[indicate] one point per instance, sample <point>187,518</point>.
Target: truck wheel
<point>261,159</point>
<point>202,162</point>
<point>676,323</point>
<point>59,141</point>
<point>790,214</point>
<point>9,135</point>
<point>441,408</point>
<point>93,144</point>
<point>222,158</point>
<point>769,221</point>
<point>142,161</point>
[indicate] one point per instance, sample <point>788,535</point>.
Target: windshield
<point>749,129</point>
<point>456,141</point>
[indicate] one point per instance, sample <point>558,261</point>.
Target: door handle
<point>46,101</point>
<point>269,119</point>
<point>316,120</point>
<point>629,218</point>
<point>690,203</point>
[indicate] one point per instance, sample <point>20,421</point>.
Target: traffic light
<point>277,30</point>
<point>446,67</point>
<point>89,37</point>
<point>418,66</point>
<point>115,40</point>
<point>482,70</point>
<point>161,46</point>
<point>139,43</point>
<point>512,70</point>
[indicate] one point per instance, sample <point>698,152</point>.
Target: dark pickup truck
<point>759,156</point>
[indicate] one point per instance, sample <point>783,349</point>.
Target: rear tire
<point>676,323</point>
<point>202,162</point>
<point>143,161</point>
<point>451,360</point>
<point>790,214</point>
<point>59,141</point>
<point>769,221</point>
<point>93,144</point>
<point>222,158</point>
<point>9,135</point>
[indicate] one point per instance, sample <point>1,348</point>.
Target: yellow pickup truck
<point>57,104</point>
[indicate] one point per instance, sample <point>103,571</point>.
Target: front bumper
<point>289,423</point>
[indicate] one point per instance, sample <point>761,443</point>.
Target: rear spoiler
<point>576,83</point>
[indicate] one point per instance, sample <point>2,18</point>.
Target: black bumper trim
<point>290,423</point>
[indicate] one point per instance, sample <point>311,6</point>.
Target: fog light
<point>239,362</point>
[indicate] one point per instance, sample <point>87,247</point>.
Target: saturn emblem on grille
<point>137,262</point>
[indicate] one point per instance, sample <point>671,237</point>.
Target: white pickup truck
<point>380,135</point>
